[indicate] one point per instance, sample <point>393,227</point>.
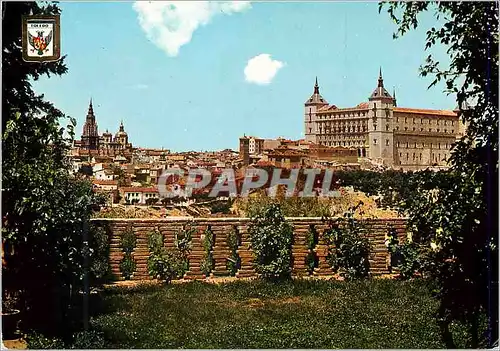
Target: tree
<point>44,207</point>
<point>458,221</point>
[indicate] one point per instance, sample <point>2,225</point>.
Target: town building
<point>383,132</point>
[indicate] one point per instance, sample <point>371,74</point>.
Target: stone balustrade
<point>221,227</point>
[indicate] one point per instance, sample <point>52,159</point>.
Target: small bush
<point>128,243</point>
<point>163,264</point>
<point>271,242</point>
<point>234,261</point>
<point>348,246</point>
<point>100,268</point>
<point>86,340</point>
<point>406,256</point>
<point>208,262</point>
<point>311,241</point>
<point>166,265</point>
<point>39,341</point>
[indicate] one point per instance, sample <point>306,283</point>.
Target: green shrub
<point>166,265</point>
<point>311,241</point>
<point>86,340</point>
<point>128,243</point>
<point>155,242</point>
<point>100,268</point>
<point>348,246</point>
<point>183,243</point>
<point>37,341</point>
<point>208,262</point>
<point>163,264</point>
<point>234,261</point>
<point>271,242</point>
<point>405,256</point>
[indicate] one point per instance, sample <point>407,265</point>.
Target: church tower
<point>90,136</point>
<point>310,107</point>
<point>381,125</point>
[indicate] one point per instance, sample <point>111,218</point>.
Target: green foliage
<point>127,264</point>
<point>405,256</point>
<point>88,340</point>
<point>223,207</point>
<point>37,341</point>
<point>100,269</point>
<point>271,242</point>
<point>208,262</point>
<point>166,265</point>
<point>155,242</point>
<point>233,242</point>
<point>457,222</point>
<point>183,239</point>
<point>128,240</point>
<point>311,241</point>
<point>348,246</point>
<point>170,264</point>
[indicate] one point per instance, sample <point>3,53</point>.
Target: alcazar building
<point>380,130</point>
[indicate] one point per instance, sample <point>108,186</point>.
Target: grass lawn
<point>256,314</point>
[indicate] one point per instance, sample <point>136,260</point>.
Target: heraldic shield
<point>41,38</point>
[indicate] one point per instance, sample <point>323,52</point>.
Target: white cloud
<point>261,69</point>
<point>171,24</point>
<point>141,86</point>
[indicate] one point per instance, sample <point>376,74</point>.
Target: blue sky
<point>196,96</point>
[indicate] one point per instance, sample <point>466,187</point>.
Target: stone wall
<point>379,257</point>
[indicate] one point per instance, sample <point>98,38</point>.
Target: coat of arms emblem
<point>41,38</point>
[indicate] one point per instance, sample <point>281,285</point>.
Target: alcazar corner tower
<point>395,136</point>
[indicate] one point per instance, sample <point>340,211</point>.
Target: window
<point>375,141</point>
<point>452,123</point>
<point>387,127</point>
<point>421,129</point>
<point>406,128</point>
<point>397,144</point>
<point>413,120</point>
<point>445,131</point>
<point>421,121</point>
<point>438,130</point>
<point>430,129</point>
<point>413,128</point>
<point>406,120</point>
<point>387,142</point>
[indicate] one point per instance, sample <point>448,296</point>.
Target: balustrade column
<point>246,255</point>
<point>300,250</point>
<point>196,255</point>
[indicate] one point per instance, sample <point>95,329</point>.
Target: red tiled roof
<point>105,182</point>
<point>425,111</point>
<point>133,189</point>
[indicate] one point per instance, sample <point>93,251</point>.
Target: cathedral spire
<point>380,79</point>
<point>90,113</point>
<point>394,95</point>
<point>316,86</point>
